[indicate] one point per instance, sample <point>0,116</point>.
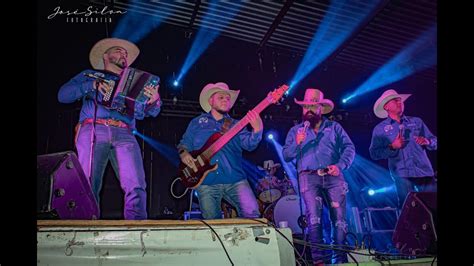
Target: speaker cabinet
<point>415,231</point>
<point>63,191</point>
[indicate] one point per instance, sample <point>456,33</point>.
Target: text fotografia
<point>90,14</point>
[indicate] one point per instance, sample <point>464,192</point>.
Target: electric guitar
<point>202,157</point>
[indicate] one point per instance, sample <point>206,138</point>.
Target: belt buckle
<point>107,123</point>
<point>322,171</point>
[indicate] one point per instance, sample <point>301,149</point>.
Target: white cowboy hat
<point>212,88</point>
<point>315,96</point>
<point>96,55</point>
<point>269,164</point>
<point>385,98</point>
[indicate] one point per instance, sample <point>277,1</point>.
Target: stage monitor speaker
<point>415,232</point>
<point>63,191</point>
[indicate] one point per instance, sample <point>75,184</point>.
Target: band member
<point>322,150</point>
<point>403,140</point>
<point>229,180</point>
<point>108,130</point>
<point>270,182</point>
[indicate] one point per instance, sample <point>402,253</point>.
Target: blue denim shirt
<point>411,160</point>
<point>229,158</point>
<point>81,87</point>
<point>331,145</point>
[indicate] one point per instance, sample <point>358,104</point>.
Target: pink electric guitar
<point>191,178</point>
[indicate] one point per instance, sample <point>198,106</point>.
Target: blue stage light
<point>207,34</point>
<point>134,25</point>
<point>371,192</point>
<point>325,42</point>
<point>417,56</point>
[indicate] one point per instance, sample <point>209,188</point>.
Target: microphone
<point>306,125</point>
<point>97,77</point>
<point>303,129</point>
<point>402,130</point>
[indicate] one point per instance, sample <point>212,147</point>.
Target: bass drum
<point>286,209</point>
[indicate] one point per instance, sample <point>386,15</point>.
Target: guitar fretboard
<point>216,146</point>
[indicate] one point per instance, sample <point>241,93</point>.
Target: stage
<point>168,242</point>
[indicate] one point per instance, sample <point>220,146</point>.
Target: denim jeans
<point>239,195</point>
<point>405,185</point>
<point>119,146</point>
<point>330,190</point>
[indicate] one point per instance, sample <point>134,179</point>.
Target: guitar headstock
<point>277,94</point>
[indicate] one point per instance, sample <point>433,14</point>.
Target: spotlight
<point>175,83</point>
<point>344,100</point>
<point>134,131</point>
<point>270,136</point>
<point>371,192</point>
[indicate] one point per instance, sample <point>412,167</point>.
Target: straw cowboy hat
<point>269,164</point>
<point>315,96</point>
<point>96,55</point>
<point>385,98</point>
<point>212,88</point>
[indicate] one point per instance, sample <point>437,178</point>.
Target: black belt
<point>320,172</point>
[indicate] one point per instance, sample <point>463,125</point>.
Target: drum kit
<point>277,198</point>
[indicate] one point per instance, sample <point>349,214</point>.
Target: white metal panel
<point>190,245</point>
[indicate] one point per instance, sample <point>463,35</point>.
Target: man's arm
<point>425,132</point>
<point>290,149</point>
<point>186,142</point>
<point>76,88</point>
<point>186,145</point>
<point>346,147</point>
<point>250,140</point>
<point>379,148</point>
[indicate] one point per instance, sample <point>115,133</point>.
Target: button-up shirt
<point>82,87</point>
<point>411,160</point>
<point>330,145</point>
<point>229,158</point>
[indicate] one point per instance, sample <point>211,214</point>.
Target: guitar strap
<point>226,125</point>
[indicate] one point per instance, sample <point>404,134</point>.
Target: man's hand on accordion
<point>102,86</point>
<point>152,93</point>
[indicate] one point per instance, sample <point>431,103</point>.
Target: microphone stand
<point>93,136</point>
<point>302,219</point>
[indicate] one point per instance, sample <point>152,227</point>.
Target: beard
<point>312,118</point>
<point>222,112</point>
<point>120,62</point>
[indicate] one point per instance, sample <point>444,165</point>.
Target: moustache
<point>310,113</point>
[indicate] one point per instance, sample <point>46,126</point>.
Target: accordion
<point>127,93</point>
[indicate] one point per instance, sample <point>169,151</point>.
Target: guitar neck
<point>216,146</point>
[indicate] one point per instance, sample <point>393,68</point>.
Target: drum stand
<point>271,187</point>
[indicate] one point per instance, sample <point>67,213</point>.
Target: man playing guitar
<point>228,181</point>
